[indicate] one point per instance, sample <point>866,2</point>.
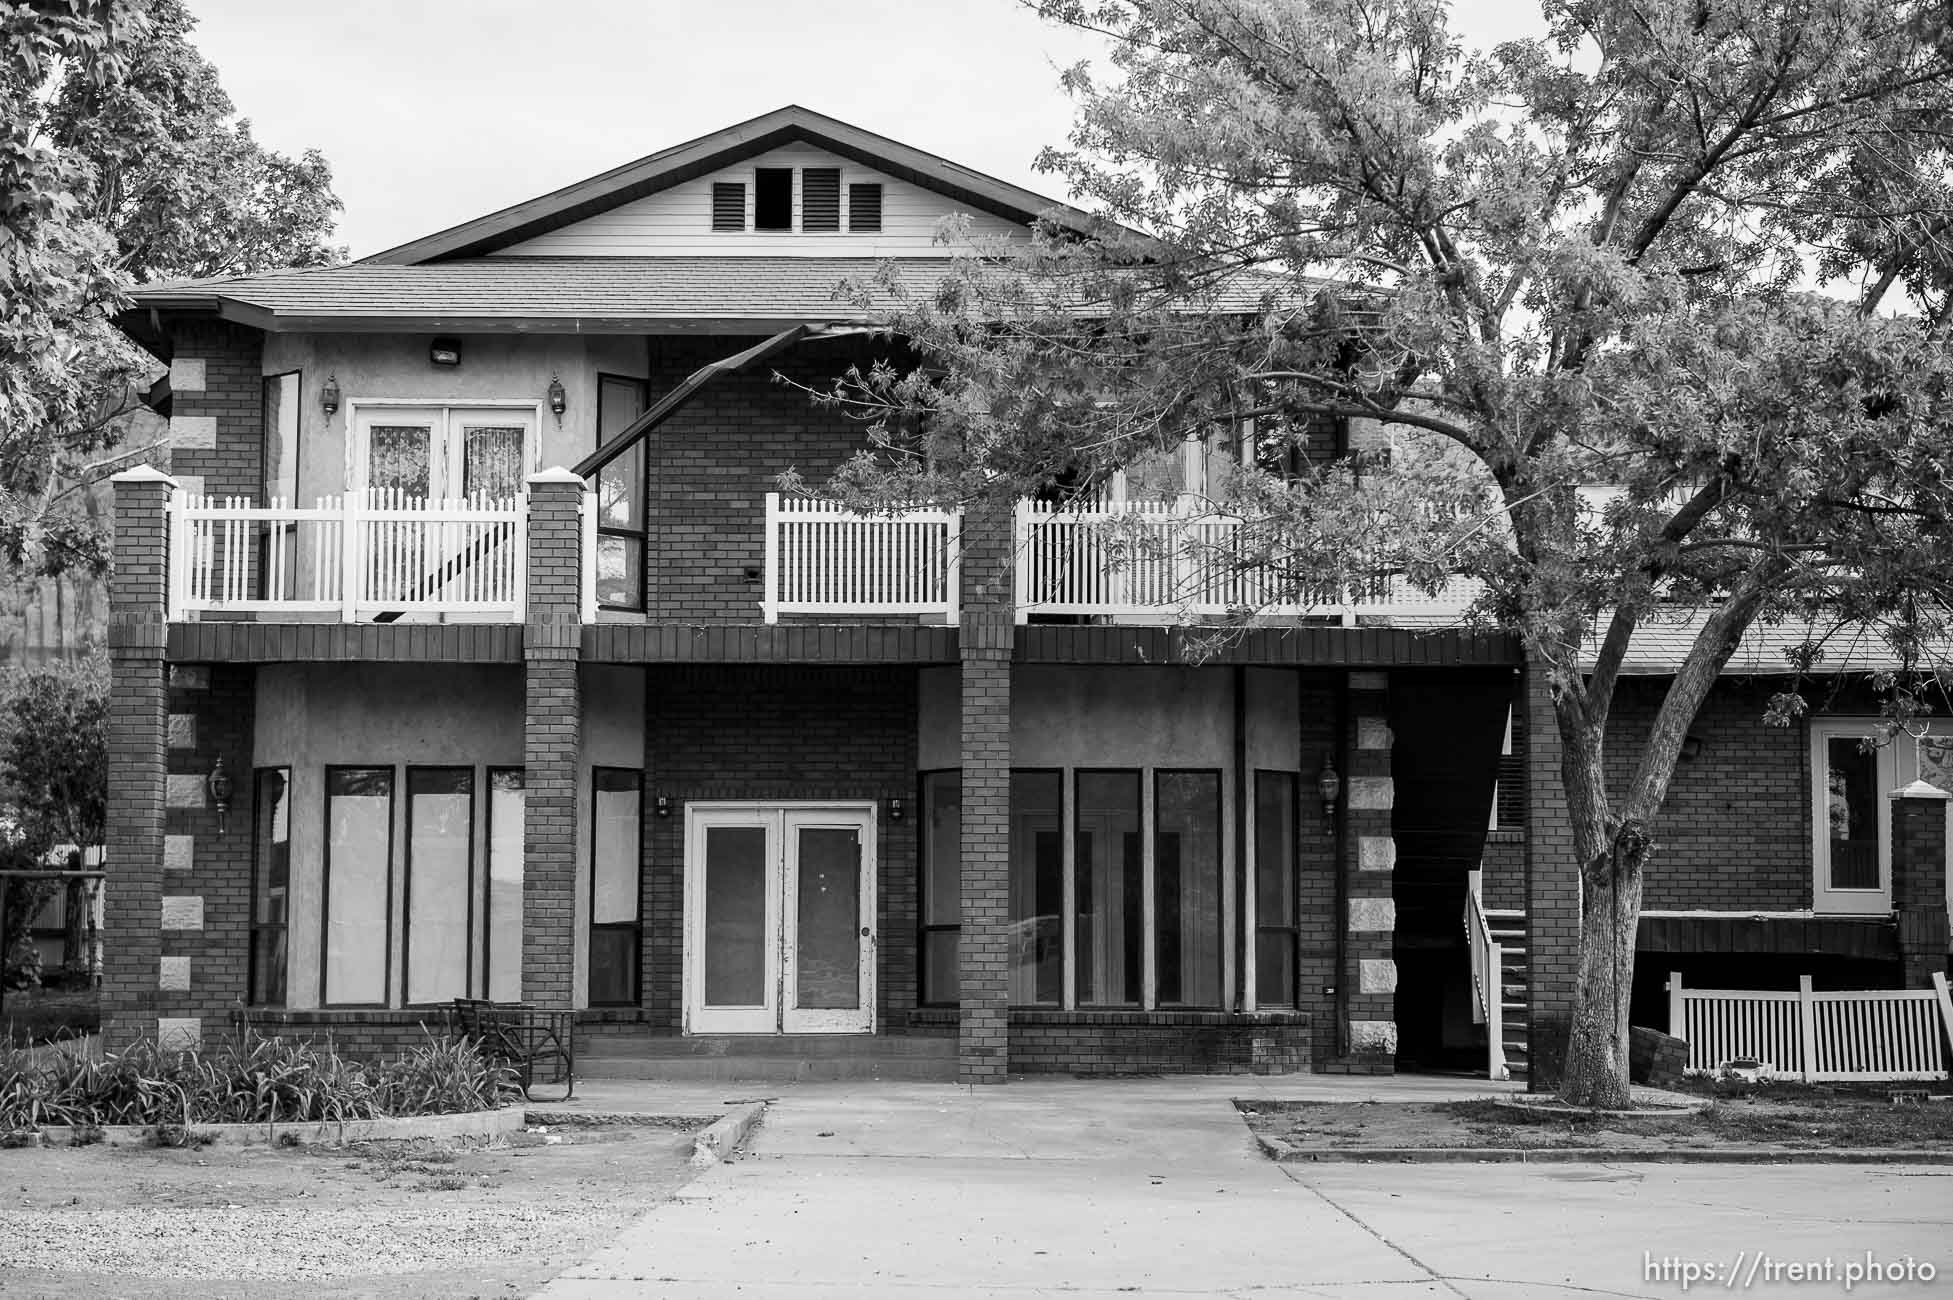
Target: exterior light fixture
<point>329,396</point>
<point>895,810</point>
<point>559,401</point>
<point>220,788</point>
<point>445,352</point>
<point>1329,784</point>
<point>662,805</point>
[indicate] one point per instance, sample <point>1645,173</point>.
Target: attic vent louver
<point>864,208</point>
<point>820,198</point>
<point>728,205</point>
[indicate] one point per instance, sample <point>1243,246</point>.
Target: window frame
<point>1151,921</point>
<point>1251,977</point>
<point>407,883</point>
<point>1144,812</point>
<point>636,923</point>
<point>489,772</point>
<point>792,227</point>
<point>325,887</point>
<point>1886,777</point>
<point>924,928</point>
<point>254,982</point>
<point>881,207</point>
<point>642,534</point>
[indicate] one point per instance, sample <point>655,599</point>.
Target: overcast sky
<point>433,112</point>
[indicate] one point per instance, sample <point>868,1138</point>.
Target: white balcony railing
<point>822,559</point>
<point>362,556</point>
<point>1135,560</point>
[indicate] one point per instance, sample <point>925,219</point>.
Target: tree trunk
<point>1597,1039</point>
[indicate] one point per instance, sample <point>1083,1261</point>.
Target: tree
<point>122,160</point>
<point>54,762</point>
<point>1690,251</point>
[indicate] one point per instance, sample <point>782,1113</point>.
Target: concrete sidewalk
<point>1103,1188</point>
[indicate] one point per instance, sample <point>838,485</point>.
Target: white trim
<point>777,819</point>
<point>1826,900</point>
<point>1795,914</point>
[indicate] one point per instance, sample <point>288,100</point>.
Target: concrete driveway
<point>1153,1187</point>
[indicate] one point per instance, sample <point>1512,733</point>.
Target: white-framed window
<point>1854,769</point>
<point>441,451</point>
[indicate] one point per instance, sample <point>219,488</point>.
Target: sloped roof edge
<point>707,153</point>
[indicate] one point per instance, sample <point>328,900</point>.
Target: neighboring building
<point>929,795</point>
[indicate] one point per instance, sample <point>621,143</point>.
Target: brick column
<point>1919,881</point>
<point>132,899</point>
<point>552,639</point>
<point>1552,888</point>
<point>1369,866</point>
<point>983,948</point>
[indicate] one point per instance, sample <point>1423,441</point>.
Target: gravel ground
<point>378,1219</point>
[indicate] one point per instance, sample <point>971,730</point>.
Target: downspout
<point>1241,796</point>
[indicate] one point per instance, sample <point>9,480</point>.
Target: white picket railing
<point>1155,558</point>
<point>821,558</point>
<point>1488,982</point>
<point>1865,1035</point>
<point>361,555</point>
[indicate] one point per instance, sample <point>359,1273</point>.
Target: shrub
<point>245,1080</point>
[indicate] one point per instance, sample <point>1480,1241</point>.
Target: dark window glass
<point>1109,888</point>
<point>271,856</point>
<point>820,198</point>
<point>1852,810</point>
<point>773,198</point>
<point>1187,889</point>
<point>942,884</point>
<point>620,497</point>
<point>616,802</point>
<point>865,208</point>
<point>1275,866</point>
<point>728,205</point>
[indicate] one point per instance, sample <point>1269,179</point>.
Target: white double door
<point>441,452</point>
<point>779,918</point>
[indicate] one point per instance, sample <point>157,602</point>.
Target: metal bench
<point>526,1038</point>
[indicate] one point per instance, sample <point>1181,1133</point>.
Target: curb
<point>1286,1153</point>
<point>725,1134</point>
<point>407,1128</point>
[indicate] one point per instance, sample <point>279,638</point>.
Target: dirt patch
<point>389,1219</point>
<point>1801,1119</point>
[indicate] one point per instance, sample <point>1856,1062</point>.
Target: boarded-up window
<point>820,198</point>
<point>728,205</point>
<point>865,207</point>
<point>773,198</point>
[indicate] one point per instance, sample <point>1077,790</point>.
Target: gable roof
<point>708,153</point>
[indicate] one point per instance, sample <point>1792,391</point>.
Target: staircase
<point>636,1052</point>
<point>1509,932</point>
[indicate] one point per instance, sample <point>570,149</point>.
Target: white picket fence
<point>357,555</point>
<point>1864,1035</point>
<point>821,558</point>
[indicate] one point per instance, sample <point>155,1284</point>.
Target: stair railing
<point>1488,981</point>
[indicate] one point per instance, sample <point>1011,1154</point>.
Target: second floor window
<point>620,498</point>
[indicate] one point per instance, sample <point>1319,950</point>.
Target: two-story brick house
<point>469,650</point>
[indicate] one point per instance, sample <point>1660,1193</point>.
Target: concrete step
<point>767,1069</point>
<point>644,1044</point>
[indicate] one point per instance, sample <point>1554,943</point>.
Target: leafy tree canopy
<point>121,161</point>
<point>1691,252</point>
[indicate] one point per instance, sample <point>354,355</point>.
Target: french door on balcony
<point>779,918</point>
<point>440,452</point>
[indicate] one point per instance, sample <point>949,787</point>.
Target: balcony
<point>369,556</point>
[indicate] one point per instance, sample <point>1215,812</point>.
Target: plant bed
<point>1799,1124</point>
<point>47,1014</point>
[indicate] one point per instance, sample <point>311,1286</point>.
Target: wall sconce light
<point>445,352</point>
<point>1329,784</point>
<point>221,788</point>
<point>662,805</point>
<point>559,401</point>
<point>329,396</point>
<point>895,810</point>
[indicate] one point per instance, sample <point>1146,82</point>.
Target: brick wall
<point>1919,887</point>
<point>722,733</point>
<point>217,431</point>
<point>552,735</point>
<point>357,1035</point>
<point>1158,1042</point>
<point>1735,831</point>
<point>206,879</point>
<point>1552,888</point>
<point>713,463</point>
<point>1317,846</point>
